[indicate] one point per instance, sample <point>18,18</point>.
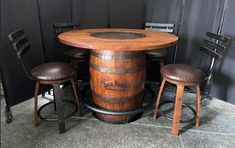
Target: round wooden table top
<point>117,39</point>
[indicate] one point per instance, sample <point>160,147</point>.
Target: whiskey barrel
<point>117,82</point>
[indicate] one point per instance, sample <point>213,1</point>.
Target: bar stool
<point>159,54</point>
<point>76,55</point>
<point>183,75</point>
<point>54,73</point>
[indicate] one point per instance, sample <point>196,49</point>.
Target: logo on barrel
<point>115,85</point>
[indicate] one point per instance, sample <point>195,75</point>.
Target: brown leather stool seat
<point>52,71</point>
<point>78,53</point>
<point>182,73</point>
<point>157,54</point>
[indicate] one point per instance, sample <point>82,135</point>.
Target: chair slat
<point>211,52</point>
<point>58,31</point>
<point>66,25</point>
<point>213,45</point>
<point>63,27</point>
<point>15,35</point>
<point>218,37</point>
<point>161,30</point>
<point>23,50</point>
<point>19,43</point>
<point>159,24</point>
<point>21,46</point>
<point>162,27</point>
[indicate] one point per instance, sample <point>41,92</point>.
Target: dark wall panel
<point>199,16</point>
<point>108,13</point>
<point>165,11</point>
<point>126,13</point>
<point>53,11</point>
<point>91,13</point>
<point>224,84</point>
<point>19,14</point>
<point>76,11</point>
<point>0,39</point>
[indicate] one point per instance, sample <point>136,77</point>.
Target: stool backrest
<point>215,45</point>
<point>19,42</point>
<point>21,45</point>
<point>162,27</point>
<point>63,27</point>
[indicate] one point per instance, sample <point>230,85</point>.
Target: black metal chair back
<point>215,46</point>
<point>22,46</point>
<point>19,42</point>
<point>63,27</point>
<point>162,27</point>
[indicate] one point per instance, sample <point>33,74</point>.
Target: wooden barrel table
<point>117,65</point>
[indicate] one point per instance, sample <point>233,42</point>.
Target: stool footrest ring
<point>170,118</point>
<point>56,119</point>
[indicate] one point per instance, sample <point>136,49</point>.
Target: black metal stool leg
<point>59,106</point>
<point>54,99</point>
<point>8,114</point>
<point>75,85</point>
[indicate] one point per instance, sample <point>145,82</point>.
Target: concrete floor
<point>217,129</point>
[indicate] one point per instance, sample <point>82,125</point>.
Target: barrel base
<point>111,119</point>
<point>143,110</point>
